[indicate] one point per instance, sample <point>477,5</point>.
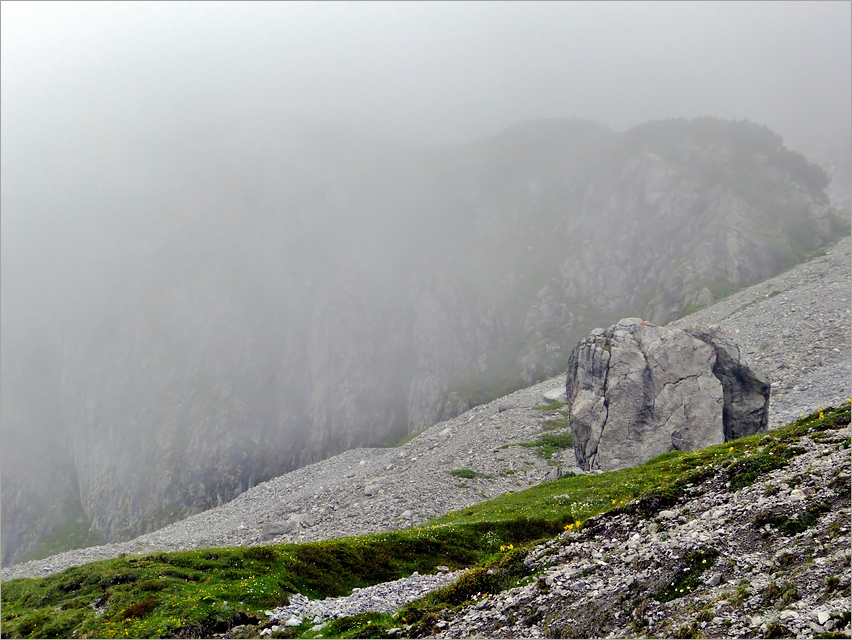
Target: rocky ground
<point>771,560</point>
<point>795,328</point>
<point>382,598</point>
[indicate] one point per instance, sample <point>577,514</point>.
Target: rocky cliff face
<point>304,293</point>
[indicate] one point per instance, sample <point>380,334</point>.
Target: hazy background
<point>228,227</point>
<point>89,90</point>
<point>424,72</point>
<point>97,97</point>
<point>92,91</point>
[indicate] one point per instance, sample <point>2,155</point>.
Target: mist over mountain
<point>240,237</point>
<point>305,290</point>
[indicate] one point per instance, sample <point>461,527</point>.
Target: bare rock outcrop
<point>637,390</point>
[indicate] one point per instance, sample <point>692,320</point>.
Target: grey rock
<point>553,474</point>
<point>639,390</point>
<point>554,395</point>
<point>297,491</point>
<point>372,490</point>
<point>714,579</point>
<point>275,529</point>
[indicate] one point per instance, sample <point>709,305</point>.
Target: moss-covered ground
<point>202,592</point>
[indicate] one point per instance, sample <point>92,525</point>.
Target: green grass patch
<point>363,625</point>
<point>744,473</point>
<point>549,443</point>
<point>199,593</point>
<point>791,526</point>
<point>563,422</point>
<point>553,406</point>
<point>467,474</point>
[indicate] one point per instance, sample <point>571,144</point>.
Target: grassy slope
<point>198,593</point>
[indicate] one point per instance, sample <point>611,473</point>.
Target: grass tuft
<point>553,406</point>
<point>686,576</point>
<point>467,474</point>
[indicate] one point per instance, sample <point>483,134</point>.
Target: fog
<point>423,72</point>
<point>96,89</point>
<point>189,190</point>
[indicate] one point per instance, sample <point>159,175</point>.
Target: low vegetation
<point>556,434</point>
<point>548,444</point>
<point>202,592</point>
<point>467,473</point>
<point>553,406</point>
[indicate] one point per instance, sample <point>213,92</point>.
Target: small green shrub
<point>466,473</point>
<point>688,631</point>
<point>831,583</point>
<point>686,577</point>
<point>362,625</point>
<point>549,443</point>
<point>791,526</point>
<point>553,406</point>
<point>745,472</point>
<point>138,609</point>
<point>778,630</point>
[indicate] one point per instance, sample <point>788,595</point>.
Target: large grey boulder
<point>637,390</point>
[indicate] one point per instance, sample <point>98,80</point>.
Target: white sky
<point>426,72</point>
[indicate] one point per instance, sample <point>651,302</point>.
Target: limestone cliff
<point>308,293</point>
